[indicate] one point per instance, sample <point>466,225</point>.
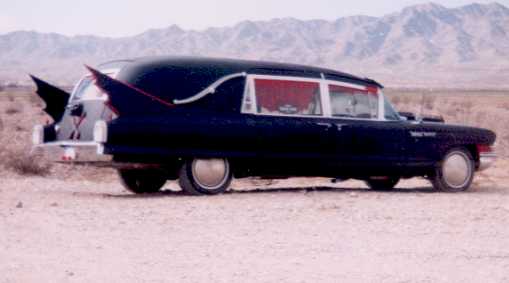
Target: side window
<point>87,90</point>
<point>351,102</point>
<point>287,97</point>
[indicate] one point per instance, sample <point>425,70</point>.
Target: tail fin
<point>55,98</point>
<point>122,96</point>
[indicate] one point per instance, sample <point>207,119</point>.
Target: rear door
<point>288,116</point>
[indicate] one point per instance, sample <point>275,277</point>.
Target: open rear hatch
<point>75,117</point>
<point>86,107</point>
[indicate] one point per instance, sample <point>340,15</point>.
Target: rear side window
<point>354,103</point>
<point>87,90</point>
<point>287,97</point>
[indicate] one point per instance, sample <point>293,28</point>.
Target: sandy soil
<point>64,229</point>
<point>309,231</point>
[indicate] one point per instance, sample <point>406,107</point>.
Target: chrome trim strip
<point>486,160</point>
<point>210,89</point>
<point>73,152</point>
<point>69,144</point>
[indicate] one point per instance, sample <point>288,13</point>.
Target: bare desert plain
<point>70,224</point>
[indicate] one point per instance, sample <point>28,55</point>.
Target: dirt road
<point>56,231</point>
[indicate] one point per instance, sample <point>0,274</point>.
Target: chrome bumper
<point>71,152</point>
<point>486,160</point>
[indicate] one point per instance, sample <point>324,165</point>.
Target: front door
<point>374,144</point>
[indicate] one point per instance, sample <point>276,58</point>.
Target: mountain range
<point>425,45</point>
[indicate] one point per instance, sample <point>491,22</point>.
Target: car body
<point>204,120</point>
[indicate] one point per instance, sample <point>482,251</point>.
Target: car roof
<point>238,65</point>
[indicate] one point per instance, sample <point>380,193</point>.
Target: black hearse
<point>203,121</point>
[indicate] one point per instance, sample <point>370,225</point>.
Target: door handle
<point>327,126</point>
<point>340,126</point>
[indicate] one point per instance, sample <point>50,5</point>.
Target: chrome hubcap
<point>456,169</point>
<point>210,173</point>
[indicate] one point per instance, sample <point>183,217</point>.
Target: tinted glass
<point>354,103</point>
<point>286,97</point>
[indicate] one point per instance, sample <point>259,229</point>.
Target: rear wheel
<point>205,176</point>
<point>142,181</point>
<point>455,172</point>
<point>382,184</point>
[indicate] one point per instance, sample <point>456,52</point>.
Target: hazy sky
<point>128,17</point>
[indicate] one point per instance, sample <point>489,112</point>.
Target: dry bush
<point>428,102</point>
<point>406,99</point>
<point>26,164</point>
<point>12,110</point>
<point>396,99</point>
<point>18,128</point>
<point>35,101</point>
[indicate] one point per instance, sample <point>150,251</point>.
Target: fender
<point>122,94</point>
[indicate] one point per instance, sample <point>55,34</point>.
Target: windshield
<point>390,112</point>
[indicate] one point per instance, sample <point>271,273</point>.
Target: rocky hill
<point>421,46</point>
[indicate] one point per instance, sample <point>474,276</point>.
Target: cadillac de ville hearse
<point>205,121</point>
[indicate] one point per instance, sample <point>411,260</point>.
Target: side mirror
<point>409,116</point>
<point>435,119</point>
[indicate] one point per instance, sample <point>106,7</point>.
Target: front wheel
<point>142,181</point>
<point>382,184</point>
<point>455,172</point>
<point>205,176</point>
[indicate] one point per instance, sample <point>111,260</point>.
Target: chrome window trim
<point>379,101</point>
<point>252,77</point>
<point>381,105</point>
<point>250,90</point>
<point>208,90</point>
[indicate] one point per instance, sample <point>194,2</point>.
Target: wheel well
<point>472,148</point>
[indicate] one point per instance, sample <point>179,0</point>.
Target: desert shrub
<point>429,102</point>
<point>11,110</point>
<point>450,112</point>
<point>396,99</point>
<point>406,99</point>
<point>23,163</point>
<point>35,100</point>
<point>19,128</point>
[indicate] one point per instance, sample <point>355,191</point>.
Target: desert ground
<point>69,224</point>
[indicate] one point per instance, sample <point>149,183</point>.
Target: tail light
<point>483,149</point>
<point>100,131</point>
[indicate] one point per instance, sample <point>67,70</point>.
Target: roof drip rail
<point>210,89</point>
